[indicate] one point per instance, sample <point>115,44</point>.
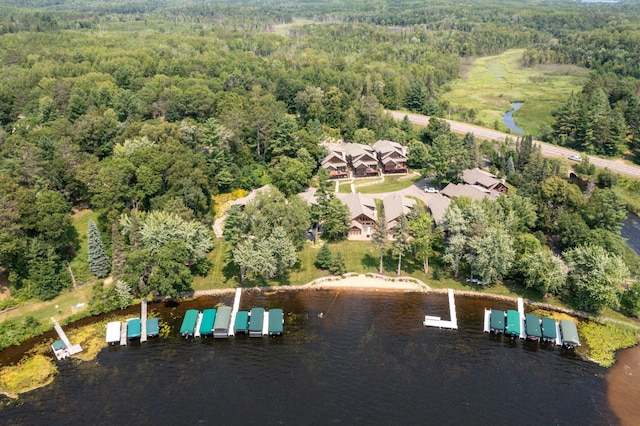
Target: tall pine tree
<point>98,260</point>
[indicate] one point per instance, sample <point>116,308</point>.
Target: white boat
<point>113,332</point>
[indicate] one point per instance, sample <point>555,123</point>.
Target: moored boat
<point>532,327</point>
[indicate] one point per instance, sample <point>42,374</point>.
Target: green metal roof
<point>153,328</point>
<point>497,320</point>
<point>276,321</point>
<point>533,325</point>
<point>569,333</point>
<point>513,322</point>
<point>549,328</point>
<point>242,321</point>
<point>189,322</point>
<point>58,345</point>
<point>257,318</point>
<point>208,318</point>
<point>223,318</point>
<point>134,328</point>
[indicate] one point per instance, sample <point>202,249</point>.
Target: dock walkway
<point>143,321</point>
<point>523,334</point>
<point>196,331</point>
<point>265,324</point>
<point>123,334</point>
<point>234,311</point>
<point>71,349</point>
<point>430,321</point>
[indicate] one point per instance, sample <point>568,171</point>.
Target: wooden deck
<point>487,321</point>
<point>265,324</point>
<point>196,331</point>
<point>430,321</point>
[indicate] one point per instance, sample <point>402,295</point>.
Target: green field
<point>490,84</point>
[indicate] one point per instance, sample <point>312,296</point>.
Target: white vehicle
<point>575,157</point>
<point>431,190</point>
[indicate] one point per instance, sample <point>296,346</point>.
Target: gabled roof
<point>359,204</point>
<point>394,206</point>
<point>361,152</point>
<point>385,147</point>
<point>480,177</point>
<point>475,192</point>
<point>309,195</point>
<point>334,155</point>
<point>438,205</point>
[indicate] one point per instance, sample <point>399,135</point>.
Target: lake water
<point>369,360</point>
<point>508,118</point>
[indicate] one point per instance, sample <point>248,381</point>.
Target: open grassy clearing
<point>491,83</point>
<point>79,264</point>
<point>42,311</point>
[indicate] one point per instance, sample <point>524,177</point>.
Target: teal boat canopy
<point>533,326</point>
<point>134,328</point>
<point>242,322</point>
<point>189,322</point>
<point>153,328</point>
<point>208,318</point>
<point>276,322</point>
<point>497,321</point>
<point>58,345</point>
<point>256,321</point>
<point>569,333</point>
<point>222,322</point>
<point>549,329</point>
<point>513,323</point>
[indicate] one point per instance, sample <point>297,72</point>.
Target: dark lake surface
<point>508,118</point>
<point>369,360</point>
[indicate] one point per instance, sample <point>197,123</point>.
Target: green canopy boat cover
<point>513,323</point>
<point>569,333</point>
<point>549,328</point>
<point>497,320</point>
<point>276,322</point>
<point>134,328</point>
<point>242,322</point>
<point>153,328</point>
<point>256,321</point>
<point>58,345</point>
<point>533,326</point>
<point>208,318</point>
<point>189,322</point>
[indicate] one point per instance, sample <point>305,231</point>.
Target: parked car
<point>431,190</point>
<point>575,157</point>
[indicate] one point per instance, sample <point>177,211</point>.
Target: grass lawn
<point>42,311</point>
<point>491,83</point>
<point>79,264</point>
<point>390,184</point>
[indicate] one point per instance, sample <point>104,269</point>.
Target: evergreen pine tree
<point>324,258</point>
<point>98,260</point>
<point>338,265</point>
<point>510,167</point>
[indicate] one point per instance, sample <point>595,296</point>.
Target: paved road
<point>547,149</point>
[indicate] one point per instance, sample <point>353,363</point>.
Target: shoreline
<point>358,283</point>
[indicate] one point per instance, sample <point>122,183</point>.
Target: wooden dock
<point>265,324</point>
<point>143,321</point>
<point>487,320</point>
<point>70,349</point>
<point>196,331</point>
<point>558,334</point>
<point>523,333</point>
<point>234,311</point>
<point>430,321</point>
<point>123,334</point>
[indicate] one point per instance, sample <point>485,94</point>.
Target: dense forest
<point>144,111</point>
